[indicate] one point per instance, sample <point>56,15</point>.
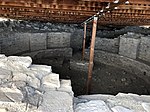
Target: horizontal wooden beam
<point>75,10</point>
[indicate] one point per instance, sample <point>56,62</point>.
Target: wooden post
<point>88,89</point>
<point>83,49</point>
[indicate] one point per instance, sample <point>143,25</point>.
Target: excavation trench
<point>59,45</point>
<point>106,79</point>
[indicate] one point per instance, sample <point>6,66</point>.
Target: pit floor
<point>106,79</point>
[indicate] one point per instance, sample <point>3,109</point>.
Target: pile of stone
<point>109,103</point>
<point>35,26</point>
<point>32,88</point>
<point>113,33</point>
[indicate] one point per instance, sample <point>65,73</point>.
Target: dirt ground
<point>106,79</point>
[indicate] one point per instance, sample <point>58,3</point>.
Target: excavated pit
<point>106,79</point>
<point>59,46</point>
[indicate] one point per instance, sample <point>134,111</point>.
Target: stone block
<point>3,97</point>
<point>15,63</point>
<point>56,101</point>
<point>121,109</point>
<point>119,103</point>
<point>40,71</point>
<point>129,47</point>
<point>28,77</point>
<point>15,43</point>
<point>51,81</point>
<point>45,68</point>
<point>146,106</point>
<point>12,93</point>
<point>36,98</point>
<point>65,86</point>
<point>109,45</point>
<point>38,41</point>
<point>32,80</point>
<point>19,76</point>
<point>94,105</point>
<point>144,49</point>
<point>24,61</point>
<point>58,40</point>
<point>5,75</point>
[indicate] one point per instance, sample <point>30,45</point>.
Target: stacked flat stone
<point>109,103</point>
<point>32,88</point>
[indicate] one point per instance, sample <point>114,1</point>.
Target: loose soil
<point>106,79</point>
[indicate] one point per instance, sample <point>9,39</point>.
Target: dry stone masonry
<point>30,42</point>
<point>35,36</point>
<point>26,87</point>
<point>130,52</point>
<point>109,103</point>
<point>131,45</point>
<point>32,88</point>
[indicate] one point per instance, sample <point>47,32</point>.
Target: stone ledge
<point>26,86</point>
<point>110,103</point>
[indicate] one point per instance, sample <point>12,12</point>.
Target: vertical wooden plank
<point>83,49</point>
<point>88,89</point>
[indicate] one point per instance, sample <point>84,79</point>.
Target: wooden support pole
<point>83,49</point>
<point>90,69</point>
